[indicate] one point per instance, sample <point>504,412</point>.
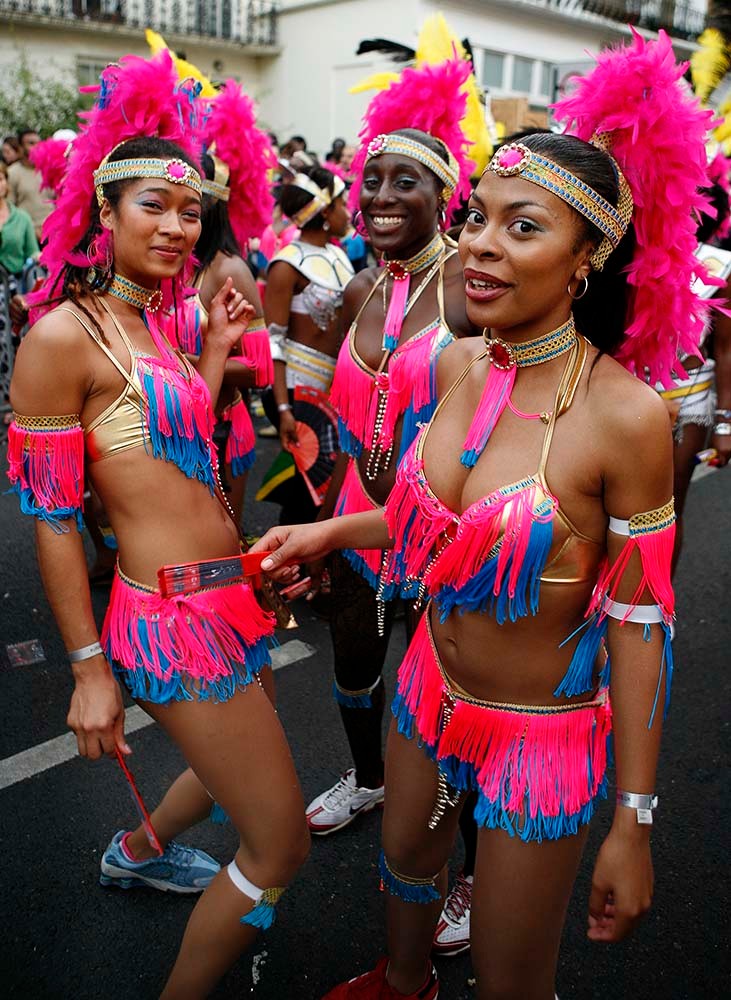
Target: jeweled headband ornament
<point>175,171</point>
<point>218,187</point>
<point>516,160</point>
<point>401,145</point>
<point>321,197</point>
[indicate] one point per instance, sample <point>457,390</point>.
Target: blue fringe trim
<point>262,916</point>
<point>579,676</point>
<point>349,443</point>
<point>219,815</point>
<point>351,700</point>
<point>243,463</point>
<point>469,458</point>
<point>478,593</point>
<point>390,343</point>
<point>178,686</point>
<point>192,456</point>
<point>462,775</point>
<point>54,518</point>
<point>405,890</point>
<point>666,667</point>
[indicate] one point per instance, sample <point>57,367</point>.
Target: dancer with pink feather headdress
<point>534,512</point>
<point>101,393</point>
<point>399,318</point>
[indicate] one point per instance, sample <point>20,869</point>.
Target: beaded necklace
<point>137,295</point>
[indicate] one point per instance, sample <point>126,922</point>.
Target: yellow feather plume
<point>710,63</point>
<point>436,44</point>
<point>186,70</point>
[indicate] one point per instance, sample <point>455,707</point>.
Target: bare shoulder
<point>53,366</point>
<point>234,267</point>
<point>455,358</point>
<point>624,404</point>
<point>359,286</point>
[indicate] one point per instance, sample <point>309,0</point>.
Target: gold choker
<point>504,355</point>
<point>399,269</point>
<point>138,296</point>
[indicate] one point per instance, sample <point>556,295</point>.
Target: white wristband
<point>283,407</point>
<point>85,652</point>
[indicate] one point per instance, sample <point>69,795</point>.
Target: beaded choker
<point>505,356</point>
<point>138,296</point>
<point>399,270</point>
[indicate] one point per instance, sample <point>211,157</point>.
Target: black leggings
<point>359,654</point>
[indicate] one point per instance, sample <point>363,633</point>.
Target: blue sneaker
<point>179,869</point>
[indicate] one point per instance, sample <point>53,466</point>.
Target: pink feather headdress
<point>657,133</point>
<point>137,97</point>
<point>432,99</point>
<point>50,159</point>
<point>230,127</point>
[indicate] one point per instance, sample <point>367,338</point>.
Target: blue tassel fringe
<point>404,890</point>
<point>54,518</point>
<point>218,815</point>
<point>193,456</point>
<point>351,700</point>
<point>243,463</point>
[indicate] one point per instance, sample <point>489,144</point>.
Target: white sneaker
<point>452,935</point>
<point>339,805</point>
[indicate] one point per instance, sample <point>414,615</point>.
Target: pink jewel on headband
<point>177,171</point>
<point>510,160</point>
<point>376,145</point>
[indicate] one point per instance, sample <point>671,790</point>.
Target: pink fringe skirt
<point>538,770</point>
<point>202,646</point>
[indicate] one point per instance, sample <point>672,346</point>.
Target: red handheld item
<point>137,798</point>
<point>185,578</point>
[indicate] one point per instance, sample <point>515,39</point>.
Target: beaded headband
<point>217,188</point>
<point>321,197</point>
<point>516,159</point>
<point>176,171</point>
<point>448,173</point>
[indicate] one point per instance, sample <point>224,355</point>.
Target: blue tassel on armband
<point>666,668</point>
<point>242,463</point>
<point>56,519</point>
<point>219,815</point>
<point>412,891</point>
<point>264,913</point>
<point>579,677</point>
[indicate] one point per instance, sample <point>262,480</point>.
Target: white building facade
<point>297,57</point>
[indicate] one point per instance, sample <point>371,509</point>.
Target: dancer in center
<point>535,510</point>
<point>400,317</point>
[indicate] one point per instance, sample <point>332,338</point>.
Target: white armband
<point>278,342</point>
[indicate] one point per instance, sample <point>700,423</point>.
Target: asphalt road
<point>64,936</point>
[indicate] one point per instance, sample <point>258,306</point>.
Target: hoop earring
<point>359,225</point>
<point>93,254</point>
<point>326,226</point>
<point>586,289</point>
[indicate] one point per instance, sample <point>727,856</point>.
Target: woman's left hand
<point>622,884</point>
<point>228,316</point>
<point>722,444</point>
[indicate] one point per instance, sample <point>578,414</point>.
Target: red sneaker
<point>373,986</point>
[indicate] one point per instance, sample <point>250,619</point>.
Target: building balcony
<point>249,23</point>
<point>680,18</point>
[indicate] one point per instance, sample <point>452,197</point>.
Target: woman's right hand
<point>294,544</point>
<point>288,430</point>
<point>96,714</point>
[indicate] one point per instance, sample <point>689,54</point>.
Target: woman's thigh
<point>520,896</point>
<point>239,752</point>
<point>411,788</point>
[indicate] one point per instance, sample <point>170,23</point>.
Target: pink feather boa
<point>432,99</point>
<point>137,97</point>
<point>718,172</point>
<point>247,152</point>
<point>50,161</point>
<point>658,133</point>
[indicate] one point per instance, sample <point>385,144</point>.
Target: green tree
<point>27,100</point>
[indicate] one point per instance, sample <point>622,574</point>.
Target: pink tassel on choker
<point>498,387</point>
<point>397,306</point>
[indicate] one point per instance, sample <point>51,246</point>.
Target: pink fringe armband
<point>46,467</point>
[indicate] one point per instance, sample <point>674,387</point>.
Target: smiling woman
<point>534,513</point>
<point>102,396</point>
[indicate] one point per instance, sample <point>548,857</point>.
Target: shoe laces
<point>341,792</point>
<point>179,854</point>
<point>459,900</point>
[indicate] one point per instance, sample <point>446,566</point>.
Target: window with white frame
<point>89,69</point>
<point>507,74</point>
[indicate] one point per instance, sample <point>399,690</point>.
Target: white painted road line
<point>63,748</point>
<point>57,751</point>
